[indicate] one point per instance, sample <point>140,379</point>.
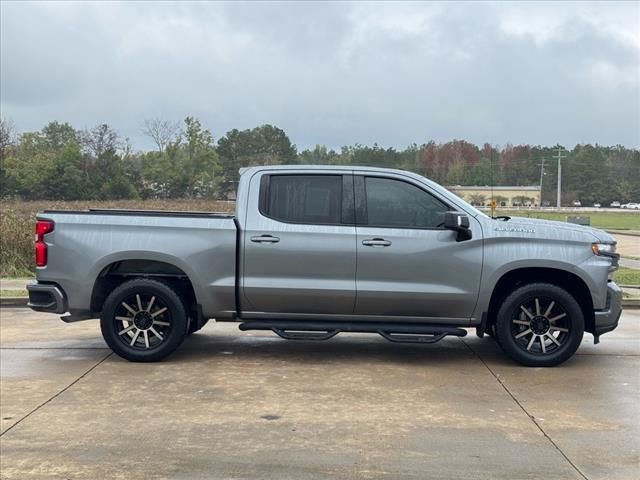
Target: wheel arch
<point>564,279</point>
<point>118,271</point>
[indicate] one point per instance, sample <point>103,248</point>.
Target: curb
<point>13,301</point>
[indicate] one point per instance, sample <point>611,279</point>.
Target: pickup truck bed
<point>100,243</point>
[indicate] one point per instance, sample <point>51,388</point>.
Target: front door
<point>299,244</point>
<point>408,264</point>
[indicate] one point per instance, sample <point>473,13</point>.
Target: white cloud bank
<point>332,73</point>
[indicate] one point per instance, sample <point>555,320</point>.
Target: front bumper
<point>46,297</point>
<point>608,318</point>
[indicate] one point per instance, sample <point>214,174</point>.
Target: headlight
<point>604,249</point>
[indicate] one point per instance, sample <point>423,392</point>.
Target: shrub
<point>16,245</point>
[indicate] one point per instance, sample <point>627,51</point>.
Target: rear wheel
<point>540,325</point>
<point>143,320</point>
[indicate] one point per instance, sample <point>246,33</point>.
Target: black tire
<point>151,334</point>
<point>193,326</point>
<point>492,332</point>
<point>539,325</point>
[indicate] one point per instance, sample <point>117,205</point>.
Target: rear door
<point>408,264</point>
<point>299,244</point>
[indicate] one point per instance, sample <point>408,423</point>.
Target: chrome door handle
<point>265,239</point>
<point>376,242</point>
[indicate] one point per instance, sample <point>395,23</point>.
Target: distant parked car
<point>614,204</point>
<point>577,203</point>
<point>631,206</point>
<point>597,205</point>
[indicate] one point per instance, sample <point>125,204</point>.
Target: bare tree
<point>100,139</point>
<point>161,131</point>
<point>126,148</point>
<point>7,136</point>
<point>94,143</point>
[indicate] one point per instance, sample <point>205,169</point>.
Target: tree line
<point>60,162</point>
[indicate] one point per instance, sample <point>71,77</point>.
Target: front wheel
<point>540,325</point>
<point>143,320</point>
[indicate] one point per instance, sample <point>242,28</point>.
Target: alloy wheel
<point>142,321</point>
<point>540,325</point>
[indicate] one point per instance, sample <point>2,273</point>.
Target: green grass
<point>604,220</point>
<point>13,293</point>
<point>627,276</point>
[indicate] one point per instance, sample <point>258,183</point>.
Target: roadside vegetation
<point>13,293</point>
<point>627,276</point>
<point>622,220</point>
<point>190,161</point>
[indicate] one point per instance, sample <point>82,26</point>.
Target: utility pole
<point>493,203</point>
<point>541,175</point>
<point>559,157</point>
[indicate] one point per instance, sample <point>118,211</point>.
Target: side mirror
<point>458,222</point>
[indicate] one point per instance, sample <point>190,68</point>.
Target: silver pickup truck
<point>313,251</point>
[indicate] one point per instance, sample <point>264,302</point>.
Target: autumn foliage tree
<point>60,162</point>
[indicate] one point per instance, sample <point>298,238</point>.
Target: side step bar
<point>394,332</point>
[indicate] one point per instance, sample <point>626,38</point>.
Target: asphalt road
<point>232,405</point>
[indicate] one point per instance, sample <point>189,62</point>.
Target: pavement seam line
<point>56,395</point>
<point>531,417</point>
<point>58,348</point>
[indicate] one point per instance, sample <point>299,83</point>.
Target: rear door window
<point>309,199</point>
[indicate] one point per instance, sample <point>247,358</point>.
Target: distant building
<point>503,196</point>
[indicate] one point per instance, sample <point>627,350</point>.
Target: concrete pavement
<point>14,283</point>
<point>249,405</point>
<point>629,263</point>
<point>628,245</point>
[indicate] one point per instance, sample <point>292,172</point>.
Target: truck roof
<point>245,170</point>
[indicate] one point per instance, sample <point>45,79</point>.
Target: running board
<point>394,332</point>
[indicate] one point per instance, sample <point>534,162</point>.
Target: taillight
<point>42,228</point>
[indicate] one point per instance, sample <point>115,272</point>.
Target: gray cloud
<point>331,73</point>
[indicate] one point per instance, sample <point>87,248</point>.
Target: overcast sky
<point>331,73</point>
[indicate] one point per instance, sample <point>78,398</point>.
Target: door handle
<point>265,239</point>
<point>376,242</point>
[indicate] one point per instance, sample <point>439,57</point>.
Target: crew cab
<point>313,251</point>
